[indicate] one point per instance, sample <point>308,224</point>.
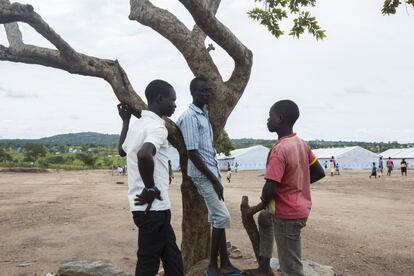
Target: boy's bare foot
<point>229,268</point>
<point>258,272</point>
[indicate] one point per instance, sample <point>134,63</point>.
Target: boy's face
<point>167,103</point>
<point>203,92</point>
<point>274,121</point>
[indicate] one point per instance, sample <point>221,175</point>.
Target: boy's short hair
<point>157,87</point>
<point>289,109</point>
<point>195,81</point>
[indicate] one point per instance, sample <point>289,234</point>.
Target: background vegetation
<point>91,150</point>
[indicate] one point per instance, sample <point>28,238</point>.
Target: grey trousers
<point>286,232</point>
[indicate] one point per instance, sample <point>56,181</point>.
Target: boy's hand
<point>147,197</point>
<point>268,191</point>
<point>218,188</point>
<point>124,111</point>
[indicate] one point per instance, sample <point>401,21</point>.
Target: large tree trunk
<point>195,244</point>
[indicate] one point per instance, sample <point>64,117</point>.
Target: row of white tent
<point>254,158</point>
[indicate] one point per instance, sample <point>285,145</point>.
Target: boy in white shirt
<point>145,145</point>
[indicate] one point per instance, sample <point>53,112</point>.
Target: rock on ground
<point>90,268</point>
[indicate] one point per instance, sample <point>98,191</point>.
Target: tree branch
<point>13,34</point>
<point>81,64</point>
<point>25,13</point>
<point>191,45</point>
<point>205,18</point>
<point>197,33</point>
<point>163,22</point>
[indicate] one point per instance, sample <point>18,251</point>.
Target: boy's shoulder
<point>287,144</point>
<point>187,114</point>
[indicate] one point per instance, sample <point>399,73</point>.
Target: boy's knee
<point>222,220</point>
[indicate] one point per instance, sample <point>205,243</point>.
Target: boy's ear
<point>159,98</point>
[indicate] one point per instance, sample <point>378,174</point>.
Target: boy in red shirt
<point>291,168</point>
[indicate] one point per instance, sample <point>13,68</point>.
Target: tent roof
<point>398,153</point>
<point>239,152</point>
<point>335,152</point>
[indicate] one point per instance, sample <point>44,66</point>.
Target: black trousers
<point>156,241</point>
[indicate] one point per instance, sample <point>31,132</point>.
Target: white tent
<point>398,154</point>
<point>224,161</point>
<point>348,157</point>
<point>252,158</point>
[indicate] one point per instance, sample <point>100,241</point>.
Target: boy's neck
<point>284,132</point>
<point>199,105</point>
<point>155,109</point>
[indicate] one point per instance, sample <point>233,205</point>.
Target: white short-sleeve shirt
<point>150,128</point>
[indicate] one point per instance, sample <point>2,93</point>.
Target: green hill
<point>94,138</point>
<point>82,138</point>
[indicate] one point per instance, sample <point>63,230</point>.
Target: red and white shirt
<point>288,163</point>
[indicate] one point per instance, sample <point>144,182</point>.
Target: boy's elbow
<point>143,156</point>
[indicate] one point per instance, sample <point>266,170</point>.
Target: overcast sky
<point>357,84</point>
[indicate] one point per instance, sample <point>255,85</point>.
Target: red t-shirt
<point>288,163</point>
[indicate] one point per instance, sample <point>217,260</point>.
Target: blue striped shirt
<point>195,126</point>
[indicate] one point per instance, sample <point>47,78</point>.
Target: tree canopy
<point>272,12</point>
<point>224,143</point>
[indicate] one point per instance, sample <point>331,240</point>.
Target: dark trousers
<point>289,248</point>
<point>156,241</point>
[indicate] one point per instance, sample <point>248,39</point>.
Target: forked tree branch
<point>205,18</point>
<point>67,59</point>
<point>189,43</point>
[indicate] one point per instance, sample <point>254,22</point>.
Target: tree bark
<point>195,244</point>
<point>249,224</point>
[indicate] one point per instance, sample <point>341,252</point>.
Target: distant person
<point>120,170</point>
<point>236,167</point>
<point>325,164</point>
<point>203,168</point>
<point>145,145</point>
<point>373,170</point>
<point>290,169</point>
<point>332,166</point>
<point>170,172</point>
<point>229,175</point>
<point>337,168</point>
<point>403,167</point>
<point>228,166</point>
<point>380,166</point>
<point>379,172</point>
<point>390,166</point>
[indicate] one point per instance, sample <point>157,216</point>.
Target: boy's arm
<point>268,191</point>
<point>316,172</point>
<point>122,136</point>
<point>146,170</point>
<point>146,164</point>
<point>199,164</point>
<point>189,128</point>
<point>125,114</point>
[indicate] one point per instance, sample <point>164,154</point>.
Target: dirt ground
<point>359,226</point>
